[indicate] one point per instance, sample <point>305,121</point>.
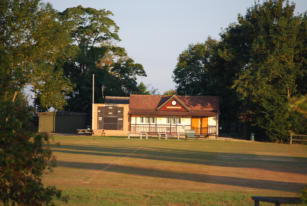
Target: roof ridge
<point>146,95</point>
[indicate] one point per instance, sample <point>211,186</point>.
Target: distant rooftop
<point>116,100</point>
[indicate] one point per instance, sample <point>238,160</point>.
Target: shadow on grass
<point>266,162</point>
<point>223,180</point>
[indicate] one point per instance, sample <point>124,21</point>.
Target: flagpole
<point>93,99</point>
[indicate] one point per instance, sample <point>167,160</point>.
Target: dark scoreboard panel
<point>110,117</point>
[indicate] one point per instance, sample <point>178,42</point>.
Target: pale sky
<point>155,32</point>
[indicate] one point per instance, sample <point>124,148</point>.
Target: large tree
<point>192,68</point>
<point>32,42</point>
<point>275,64</point>
<point>94,33</point>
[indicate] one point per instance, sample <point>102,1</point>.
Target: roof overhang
<point>173,113</point>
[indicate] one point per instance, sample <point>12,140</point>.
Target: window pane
<point>146,119</point>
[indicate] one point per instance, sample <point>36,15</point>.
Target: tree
<point>24,157</point>
<point>272,67</point>
<point>29,53</point>
<point>192,67</point>
<point>142,89</point>
<point>32,42</point>
<point>93,33</point>
<point>170,92</point>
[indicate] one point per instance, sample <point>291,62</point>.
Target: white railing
<point>171,129</point>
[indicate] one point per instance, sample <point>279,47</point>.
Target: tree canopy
<point>93,33</point>
<point>192,66</point>
<point>256,68</point>
<point>32,44</point>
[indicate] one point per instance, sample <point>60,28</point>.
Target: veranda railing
<point>170,129</point>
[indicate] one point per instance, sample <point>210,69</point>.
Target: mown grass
<point>137,197</point>
<point>118,171</point>
<point>103,197</point>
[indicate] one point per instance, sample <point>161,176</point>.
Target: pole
<point>102,92</point>
<point>93,100</point>
<point>93,90</point>
<point>291,136</point>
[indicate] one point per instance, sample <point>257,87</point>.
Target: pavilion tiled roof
<point>197,105</point>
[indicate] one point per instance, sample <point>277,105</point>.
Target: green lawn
<point>118,171</point>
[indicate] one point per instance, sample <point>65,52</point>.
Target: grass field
<point>118,171</point>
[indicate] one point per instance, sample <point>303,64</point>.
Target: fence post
<point>291,136</point>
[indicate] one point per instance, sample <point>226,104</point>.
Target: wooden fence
<point>297,138</point>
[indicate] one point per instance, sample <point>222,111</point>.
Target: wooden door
<point>196,125</point>
<point>204,125</point>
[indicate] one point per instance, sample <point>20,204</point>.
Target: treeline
<point>258,68</point>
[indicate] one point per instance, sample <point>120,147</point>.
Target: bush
<point>24,158</point>
<point>304,195</point>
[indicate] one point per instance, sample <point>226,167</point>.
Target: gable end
<point>173,104</point>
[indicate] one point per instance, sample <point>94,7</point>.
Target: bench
<point>276,200</point>
<point>160,134</point>
<point>190,134</point>
<point>176,135</point>
<point>140,133</point>
<point>84,131</point>
<point>143,133</point>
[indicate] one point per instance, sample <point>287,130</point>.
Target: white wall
<point>212,121</point>
<point>186,121</point>
<point>162,120</point>
<point>184,125</point>
<point>136,120</point>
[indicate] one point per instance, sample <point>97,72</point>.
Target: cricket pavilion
<point>154,114</point>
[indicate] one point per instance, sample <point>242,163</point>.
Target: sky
<point>155,32</point>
